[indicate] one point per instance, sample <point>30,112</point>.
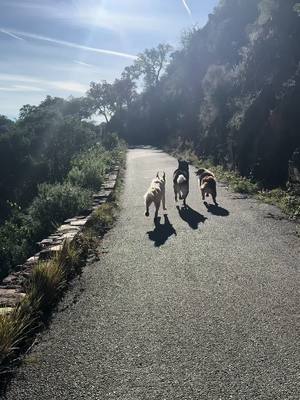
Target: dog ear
<point>164,176</point>
<point>157,175</point>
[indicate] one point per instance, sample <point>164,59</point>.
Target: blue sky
<point>57,47</point>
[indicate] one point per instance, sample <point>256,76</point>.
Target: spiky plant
<point>69,259</point>
<point>14,329</point>
<point>46,284</point>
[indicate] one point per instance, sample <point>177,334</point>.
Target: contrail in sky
<point>84,64</point>
<point>187,7</point>
<point>69,44</point>
<point>10,34</point>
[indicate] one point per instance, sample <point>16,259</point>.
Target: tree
<point>150,64</point>
<point>102,99</point>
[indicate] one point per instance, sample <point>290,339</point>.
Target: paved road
<point>203,306</point>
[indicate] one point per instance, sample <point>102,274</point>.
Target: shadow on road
<point>192,217</point>
<point>216,210</point>
<point>161,232</point>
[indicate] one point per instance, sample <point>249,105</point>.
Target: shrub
<point>103,218</point>
<point>89,168</point>
<point>16,241</point>
<point>286,201</point>
<point>46,283</point>
<point>69,259</point>
<point>14,328</point>
<point>57,202</point>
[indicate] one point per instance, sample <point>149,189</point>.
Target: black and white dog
<point>181,181</point>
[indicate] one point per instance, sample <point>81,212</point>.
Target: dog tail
<point>181,179</point>
<point>208,181</point>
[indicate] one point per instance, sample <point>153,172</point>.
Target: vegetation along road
<point>202,306</point>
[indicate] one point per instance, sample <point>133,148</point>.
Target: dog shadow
<point>191,216</point>
<point>161,232</point>
<point>216,210</point>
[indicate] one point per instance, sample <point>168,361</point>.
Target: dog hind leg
<point>157,205</point>
<point>164,201</point>
<point>214,197</point>
<point>175,191</point>
<point>147,203</point>
<point>203,194</point>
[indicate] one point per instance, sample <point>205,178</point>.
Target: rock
<point>67,221</point>
<point>45,242</point>
<point>32,260</point>
<point>50,251</point>
<point>10,297</point>
<point>80,222</point>
<point>294,172</point>
<point>12,281</point>
<point>67,227</point>
<point>6,310</point>
<point>69,235</point>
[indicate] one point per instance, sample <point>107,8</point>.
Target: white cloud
<point>84,64</point>
<point>66,86</point>
<point>11,34</point>
<point>69,86</point>
<point>186,7</point>
<point>71,44</point>
<point>20,88</point>
<point>114,15</point>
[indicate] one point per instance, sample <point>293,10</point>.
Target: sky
<point>58,47</point>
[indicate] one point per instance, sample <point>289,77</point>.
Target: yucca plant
<point>46,283</point>
<point>69,259</point>
<point>14,329</point>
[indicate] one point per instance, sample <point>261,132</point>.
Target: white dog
<point>156,194</point>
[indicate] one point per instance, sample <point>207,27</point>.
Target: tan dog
<point>207,184</point>
<point>156,194</point>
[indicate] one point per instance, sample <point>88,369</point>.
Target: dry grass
<point>14,329</point>
<point>46,284</point>
<point>69,259</point>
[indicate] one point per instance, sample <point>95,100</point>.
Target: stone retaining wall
<point>12,287</point>
<point>294,172</point>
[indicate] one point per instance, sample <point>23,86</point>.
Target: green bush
<point>286,201</point>
<point>57,202</point>
<point>16,241</point>
<point>89,168</point>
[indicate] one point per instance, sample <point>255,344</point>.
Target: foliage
<point>39,147</point>
<point>46,283</point>
<point>89,168</point>
<point>150,64</point>
<point>17,240</point>
<point>288,202</point>
<point>103,218</point>
<point>56,202</point>
<point>14,328</point>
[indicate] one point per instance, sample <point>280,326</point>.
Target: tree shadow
<point>189,215</point>
<point>161,232</point>
<point>216,210</point>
